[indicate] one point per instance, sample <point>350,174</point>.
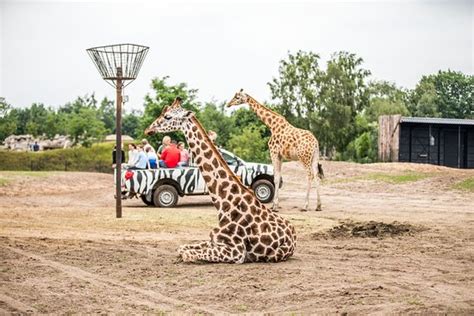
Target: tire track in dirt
<point>16,305</point>
<point>169,303</point>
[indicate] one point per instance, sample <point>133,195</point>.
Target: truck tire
<point>264,190</point>
<point>165,196</point>
<point>144,199</point>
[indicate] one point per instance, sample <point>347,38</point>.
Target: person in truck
<point>170,156</point>
<point>184,155</point>
<point>141,161</point>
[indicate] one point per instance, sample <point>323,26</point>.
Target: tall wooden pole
<point>118,146</point>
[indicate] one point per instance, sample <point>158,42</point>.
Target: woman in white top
<point>132,155</point>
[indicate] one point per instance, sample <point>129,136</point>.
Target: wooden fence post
<point>389,138</point>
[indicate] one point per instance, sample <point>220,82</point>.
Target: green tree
<point>77,105</point>
<point>343,95</point>
<point>297,87</point>
<point>8,122</point>
<point>249,145</point>
<point>131,124</point>
<point>214,119</point>
<point>324,101</point>
<point>85,127</point>
<point>107,114</point>
<point>447,94</point>
<point>385,99</point>
<point>164,95</point>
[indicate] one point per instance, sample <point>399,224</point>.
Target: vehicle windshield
<point>230,159</point>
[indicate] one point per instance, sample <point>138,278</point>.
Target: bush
<point>97,158</point>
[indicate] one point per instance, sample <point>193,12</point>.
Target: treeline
<point>85,119</point>
<point>337,102</point>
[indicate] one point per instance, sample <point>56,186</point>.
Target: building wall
<point>415,145</point>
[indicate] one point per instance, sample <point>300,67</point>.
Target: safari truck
<point>162,187</point>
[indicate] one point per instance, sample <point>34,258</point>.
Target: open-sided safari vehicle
<point>162,187</point>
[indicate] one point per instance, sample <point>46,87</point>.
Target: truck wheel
<point>165,196</point>
<point>144,199</point>
<point>264,190</point>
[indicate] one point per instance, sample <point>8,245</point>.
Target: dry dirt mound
<point>371,229</point>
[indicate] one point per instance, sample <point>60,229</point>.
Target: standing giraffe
<point>247,231</point>
<point>287,142</point>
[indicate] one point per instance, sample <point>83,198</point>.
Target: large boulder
<point>19,142</point>
<point>26,142</point>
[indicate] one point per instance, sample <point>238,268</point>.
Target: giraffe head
<point>239,98</point>
<point>171,119</point>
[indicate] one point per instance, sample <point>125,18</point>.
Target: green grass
<point>38,174</point>
<point>398,178</point>
<point>466,185</point>
<point>3,182</point>
<point>414,301</point>
<point>405,177</point>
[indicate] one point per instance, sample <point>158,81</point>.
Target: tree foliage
<point>8,124</point>
<point>324,101</point>
<point>335,101</point>
<point>249,145</point>
<point>163,95</point>
<point>447,94</point>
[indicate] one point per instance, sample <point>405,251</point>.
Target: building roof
<point>436,120</point>
<point>111,138</point>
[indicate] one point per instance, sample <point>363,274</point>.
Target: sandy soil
<point>377,247</point>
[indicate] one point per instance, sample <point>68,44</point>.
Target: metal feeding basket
<point>118,65</point>
<point>118,62</point>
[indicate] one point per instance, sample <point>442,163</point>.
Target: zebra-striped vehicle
<point>162,187</point>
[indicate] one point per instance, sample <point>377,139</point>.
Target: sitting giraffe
<point>247,231</point>
<point>287,142</point>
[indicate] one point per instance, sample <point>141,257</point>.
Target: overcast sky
<point>219,47</point>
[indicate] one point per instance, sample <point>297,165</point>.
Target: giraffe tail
<point>320,171</point>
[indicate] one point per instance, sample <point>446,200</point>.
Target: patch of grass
<point>38,174</point>
<point>467,185</point>
<point>3,182</point>
<point>397,178</point>
<point>241,307</point>
<point>405,177</point>
<point>414,301</point>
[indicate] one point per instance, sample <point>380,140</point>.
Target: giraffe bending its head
<point>247,230</point>
<point>286,142</point>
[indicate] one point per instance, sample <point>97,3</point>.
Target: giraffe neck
<point>267,116</point>
<point>214,169</point>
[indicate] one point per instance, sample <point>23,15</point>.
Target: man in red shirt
<point>170,156</point>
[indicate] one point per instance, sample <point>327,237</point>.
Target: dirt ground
<point>379,246</point>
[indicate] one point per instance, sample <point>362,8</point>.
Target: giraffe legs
<point>318,183</point>
<point>308,189</point>
<point>276,161</point>
<point>315,172</point>
<point>213,252</point>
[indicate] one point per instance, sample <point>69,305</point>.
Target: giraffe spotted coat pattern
<point>247,231</point>
<point>287,142</point>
